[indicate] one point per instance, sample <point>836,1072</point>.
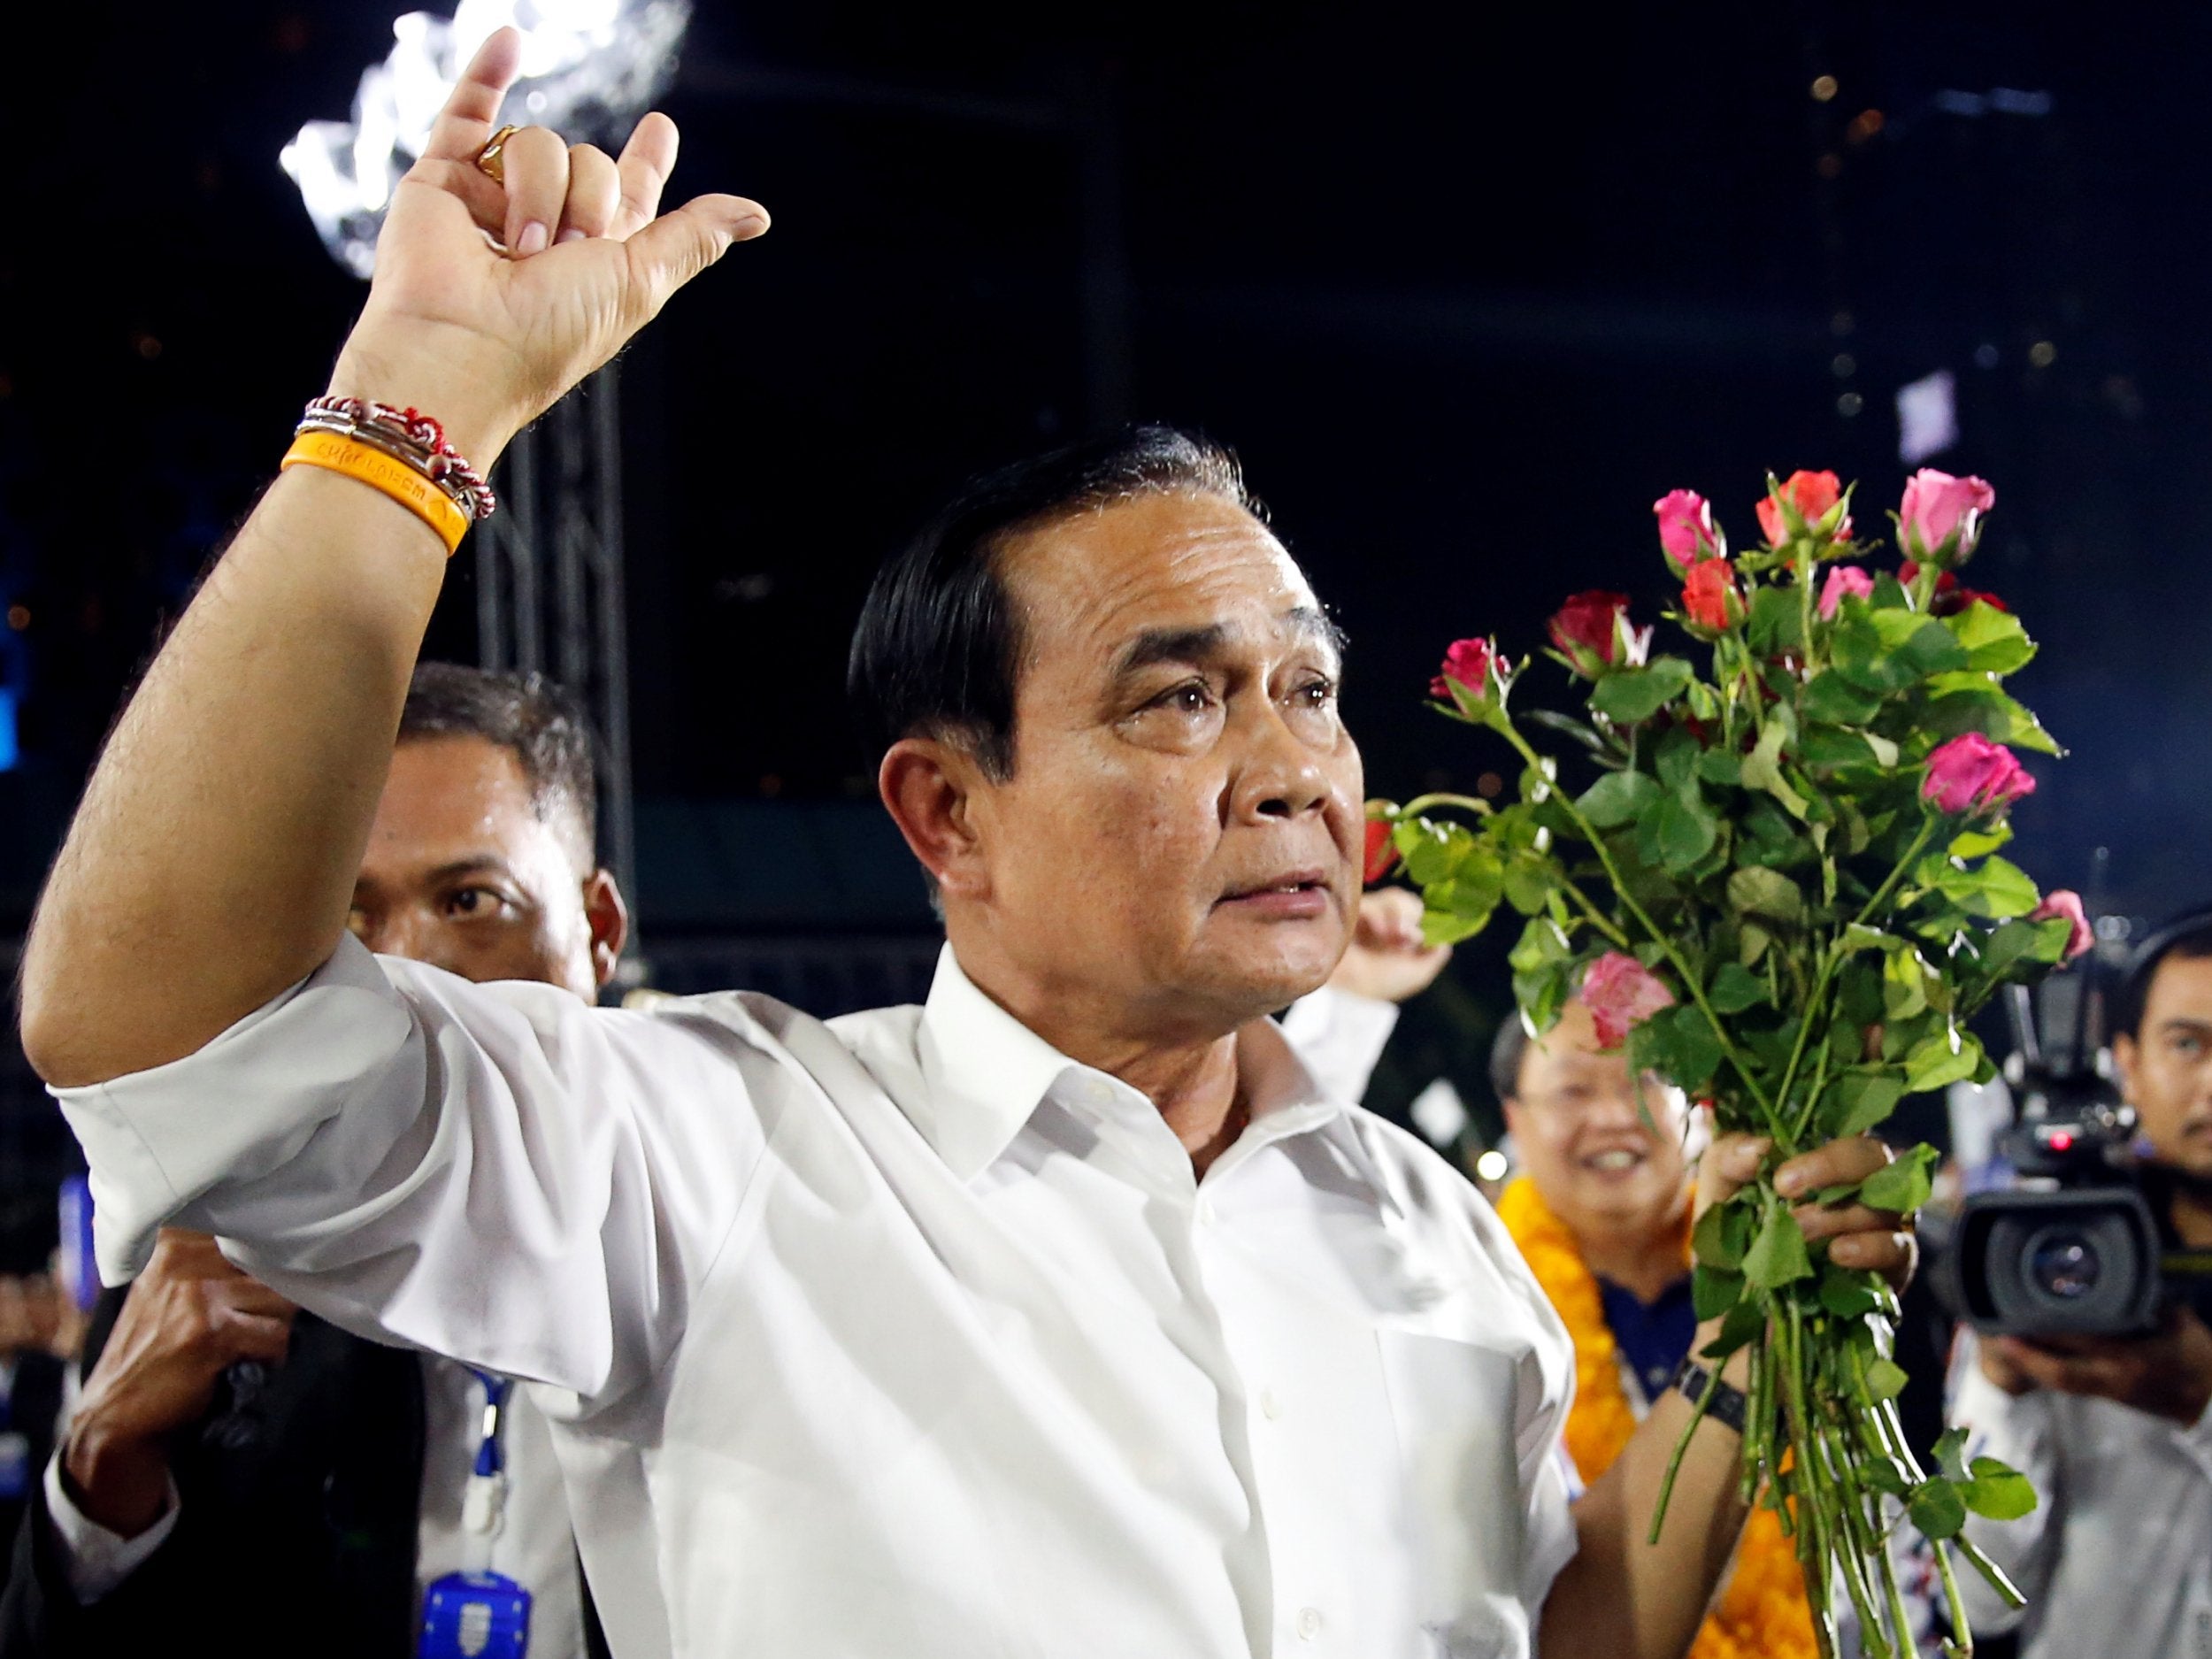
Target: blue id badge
<point>465,1614</point>
<point>15,1465</point>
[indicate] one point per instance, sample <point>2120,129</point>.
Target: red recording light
<point>2062,1141</point>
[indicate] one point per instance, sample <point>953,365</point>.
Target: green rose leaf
<point>1756,890</point>
<point>1629,696</point>
<point>1761,769</point>
<point>1723,1234</point>
<point>1695,1050</point>
<point>1846,1294</point>
<point>1996,887</point>
<point>1742,1323</point>
<point>1884,1477</point>
<point>1903,1187</point>
<point>1717,765</point>
<point>1885,1379</point>
<point>1857,1101</point>
<point>1677,830</point>
<point>1937,1509</point>
<point>1972,702</point>
<point>1431,847</point>
<point>1888,651</point>
<point>1833,700</point>
<point>2023,943</point>
<point>1994,639</point>
<point>1948,1454</point>
<point>1734,988</point>
<point>1618,798</point>
<point>1951,1056</point>
<point>1997,1493</point>
<point>1714,1291</point>
<point>1776,622</point>
<point>1777,1256</point>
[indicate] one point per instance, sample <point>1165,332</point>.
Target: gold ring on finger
<point>491,161</point>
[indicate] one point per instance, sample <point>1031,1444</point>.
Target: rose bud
<point>1710,598</point>
<point>1382,851</point>
<point>1971,774</point>
<point>1941,518</point>
<point>1843,579</point>
<point>2063,904</point>
<point>1592,632</point>
<point>1621,992</point>
<point>1687,533</point>
<point>1471,665</point>
<point>1813,497</point>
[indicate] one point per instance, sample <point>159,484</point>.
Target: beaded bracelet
<point>402,452</point>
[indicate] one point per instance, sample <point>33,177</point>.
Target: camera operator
<point>2116,1558</point>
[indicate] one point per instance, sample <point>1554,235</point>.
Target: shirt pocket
<point>1453,1406</point>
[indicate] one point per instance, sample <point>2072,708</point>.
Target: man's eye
<point>473,901</point>
<point>1190,698</point>
<point>1316,694</point>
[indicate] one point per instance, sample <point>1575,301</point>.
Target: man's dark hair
<point>1506,1051</point>
<point>2185,938</point>
<point>937,647</point>
<point>529,716</point>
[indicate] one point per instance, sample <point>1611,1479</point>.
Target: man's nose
<point>1283,776</point>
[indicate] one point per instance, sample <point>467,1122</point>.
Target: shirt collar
<point>984,1073</point>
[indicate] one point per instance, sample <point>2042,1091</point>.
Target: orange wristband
<point>380,472</point>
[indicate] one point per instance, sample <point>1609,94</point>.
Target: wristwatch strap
<point>1728,1404</point>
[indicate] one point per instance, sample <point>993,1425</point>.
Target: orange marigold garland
<point>1761,1612</point>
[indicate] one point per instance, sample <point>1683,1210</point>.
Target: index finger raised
<point>465,124</point>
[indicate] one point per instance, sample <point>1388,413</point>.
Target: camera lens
<point>2064,1264</point>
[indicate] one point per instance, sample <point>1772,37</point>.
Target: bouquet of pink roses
<point>1784,893</point>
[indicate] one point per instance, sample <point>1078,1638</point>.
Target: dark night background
<point>1467,293</point>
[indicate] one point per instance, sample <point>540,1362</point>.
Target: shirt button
<point>1205,1212</point>
<point>1270,1405</point>
<point>1308,1624</point>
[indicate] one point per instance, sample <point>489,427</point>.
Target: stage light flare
<point>589,68</point>
<point>1491,1165</point>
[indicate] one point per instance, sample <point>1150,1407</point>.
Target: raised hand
<point>1387,959</point>
<point>188,1316</point>
<point>493,298</point>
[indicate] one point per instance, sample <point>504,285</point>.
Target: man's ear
<point>609,918</point>
<point>1512,1109</point>
<point>931,789</point>
<point>2125,1053</point>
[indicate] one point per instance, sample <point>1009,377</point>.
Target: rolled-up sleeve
<point>496,1172</point>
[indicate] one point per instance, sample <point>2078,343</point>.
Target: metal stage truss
<point>550,591</point>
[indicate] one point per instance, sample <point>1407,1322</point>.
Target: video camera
<point>2075,1248</point>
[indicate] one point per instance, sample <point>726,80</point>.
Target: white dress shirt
<point>904,1334</point>
<point>533,1544</point>
<point>2116,1559</point>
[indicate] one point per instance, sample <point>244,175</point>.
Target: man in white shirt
<point>1065,1315</point>
<point>2116,1434</point>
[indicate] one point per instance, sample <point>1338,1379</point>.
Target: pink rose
<point>1972,774</point>
<point>1621,992</point>
<point>1687,531</point>
<point>1468,664</point>
<point>1941,518</point>
<point>1844,578</point>
<point>2062,902</point>
<point>1812,495</point>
